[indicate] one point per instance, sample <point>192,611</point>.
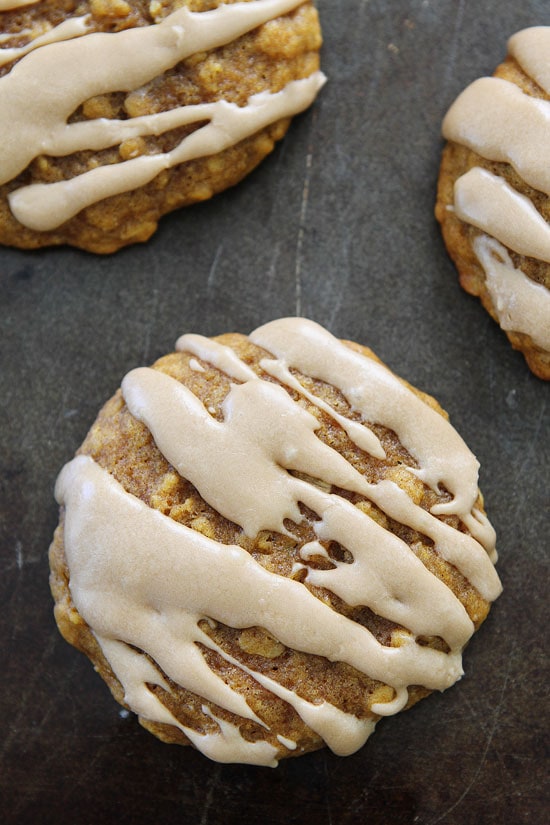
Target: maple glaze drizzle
<point>71,66</point>
<point>139,578</point>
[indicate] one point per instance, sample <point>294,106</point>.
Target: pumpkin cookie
<point>493,199</point>
<point>268,542</point>
<point>115,112</point>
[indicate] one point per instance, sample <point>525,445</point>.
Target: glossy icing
<point>243,465</point>
<point>501,123</point>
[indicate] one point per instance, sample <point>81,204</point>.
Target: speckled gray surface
<point>336,225</point>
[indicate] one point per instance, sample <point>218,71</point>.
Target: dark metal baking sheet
<point>337,225</point>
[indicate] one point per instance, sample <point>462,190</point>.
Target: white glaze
<point>240,466</point>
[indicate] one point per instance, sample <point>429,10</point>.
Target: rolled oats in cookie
<point>115,112</point>
<point>268,542</point>
<point>493,199</point>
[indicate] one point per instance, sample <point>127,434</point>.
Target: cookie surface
<point>115,112</point>
<point>266,543</point>
<point>493,199</point>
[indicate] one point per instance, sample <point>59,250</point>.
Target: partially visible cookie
<point>115,112</point>
<point>268,542</point>
<point>493,199</point>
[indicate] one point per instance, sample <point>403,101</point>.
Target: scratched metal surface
<point>336,225</point>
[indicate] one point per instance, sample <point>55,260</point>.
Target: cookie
<point>493,199</point>
<point>115,112</point>
<point>268,542</point>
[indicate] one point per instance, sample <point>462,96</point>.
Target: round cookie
<point>268,542</point>
<point>115,112</point>
<point>493,199</point>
